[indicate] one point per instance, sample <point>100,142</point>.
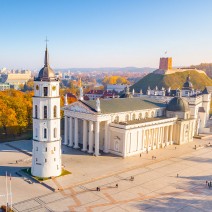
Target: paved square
<point>155,187</point>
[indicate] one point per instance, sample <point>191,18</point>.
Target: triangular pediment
<point>79,107</point>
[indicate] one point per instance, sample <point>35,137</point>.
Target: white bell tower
<point>46,158</point>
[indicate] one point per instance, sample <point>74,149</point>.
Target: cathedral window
<point>54,159</point>
<point>36,132</point>
<point>133,117</point>
<point>45,160</point>
<point>127,118</point>
<point>45,133</point>
<point>55,132</point>
<point>36,111</point>
<point>36,148</point>
<point>36,159</point>
<point>116,119</point>
<point>146,115</point>
<point>54,148</point>
<point>140,116</point>
<point>45,112</point>
<point>46,149</point>
<point>55,111</point>
<point>152,114</point>
<point>45,91</point>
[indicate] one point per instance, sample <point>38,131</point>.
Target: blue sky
<point>104,33</point>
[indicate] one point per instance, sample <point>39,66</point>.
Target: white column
<point>106,140</point>
<point>76,138</point>
<point>65,142</point>
<point>96,138</point>
<point>90,139</point>
<point>171,134</point>
<point>70,132</point>
<point>167,134</point>
<point>84,136</point>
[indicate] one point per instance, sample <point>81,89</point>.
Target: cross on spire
<point>46,41</point>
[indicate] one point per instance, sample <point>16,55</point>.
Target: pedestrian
<point>175,148</point>
<point>117,185</point>
<point>140,155</point>
<point>97,188</point>
<point>210,184</point>
<point>206,182</point>
<point>16,161</point>
<point>177,175</point>
<point>132,178</point>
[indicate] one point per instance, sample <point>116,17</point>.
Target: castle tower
<point>46,158</point>
<point>165,63</point>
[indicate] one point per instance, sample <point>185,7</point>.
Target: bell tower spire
<point>46,59</point>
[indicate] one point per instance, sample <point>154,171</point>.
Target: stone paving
<point>155,187</point>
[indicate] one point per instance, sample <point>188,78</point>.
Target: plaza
<point>155,187</point>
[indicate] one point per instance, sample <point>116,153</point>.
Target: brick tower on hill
<point>165,63</point>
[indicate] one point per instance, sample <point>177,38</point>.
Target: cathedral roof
<point>46,73</point>
<point>126,104</point>
<point>178,104</point>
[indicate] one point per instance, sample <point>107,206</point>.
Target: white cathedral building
<point>132,125</point>
<point>46,159</point>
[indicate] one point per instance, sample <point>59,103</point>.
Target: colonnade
<point>157,137</point>
<point>90,135</point>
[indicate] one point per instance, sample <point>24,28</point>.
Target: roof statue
<point>81,94</point>
<point>65,100</point>
<point>141,92</point>
<point>133,91</point>
<point>98,109</point>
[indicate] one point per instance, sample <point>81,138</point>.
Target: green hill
<point>174,81</point>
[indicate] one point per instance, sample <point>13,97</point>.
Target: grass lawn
<point>40,179</point>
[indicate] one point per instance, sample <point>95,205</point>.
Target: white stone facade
<point>124,133</point>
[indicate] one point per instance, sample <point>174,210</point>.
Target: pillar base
<point>106,151</point>
<point>90,152</point>
<point>96,155</point>
<point>84,150</point>
<point>65,144</point>
<point>76,147</point>
<point>69,145</point>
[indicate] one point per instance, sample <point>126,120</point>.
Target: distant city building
<point>16,78</point>
<point>94,94</point>
<point>4,86</point>
<point>117,87</point>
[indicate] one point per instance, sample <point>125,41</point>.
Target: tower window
<point>55,132</point>
<point>36,111</point>
<point>36,148</point>
<point>46,149</point>
<point>45,133</point>
<point>45,160</point>
<point>36,132</point>
<point>55,111</point>
<point>45,112</point>
<point>54,159</point>
<point>45,91</point>
<point>36,159</point>
<point>54,148</point>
